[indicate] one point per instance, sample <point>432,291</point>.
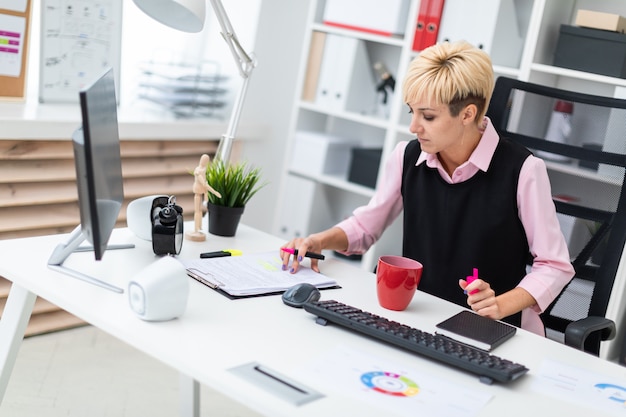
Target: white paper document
<point>579,386</point>
<point>252,274</point>
<point>401,388</point>
<point>79,40</point>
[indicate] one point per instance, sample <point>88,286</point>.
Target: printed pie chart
<point>390,384</point>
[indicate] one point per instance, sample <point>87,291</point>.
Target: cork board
<point>14,30</point>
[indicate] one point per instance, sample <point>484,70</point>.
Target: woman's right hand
<point>303,245</point>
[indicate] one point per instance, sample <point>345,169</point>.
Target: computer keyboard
<point>487,366</point>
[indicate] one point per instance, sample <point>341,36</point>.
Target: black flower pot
<point>223,221</point>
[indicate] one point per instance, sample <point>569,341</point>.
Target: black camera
<point>167,226</point>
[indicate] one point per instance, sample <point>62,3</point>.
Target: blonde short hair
<point>455,74</point>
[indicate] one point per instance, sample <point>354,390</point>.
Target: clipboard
<point>251,275</point>
<point>14,38</point>
<point>240,297</point>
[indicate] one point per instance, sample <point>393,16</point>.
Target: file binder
<point>490,25</point>
<point>333,78</point>
<point>297,222</point>
<point>428,22</point>
<point>346,80</point>
<point>433,20</point>
<point>314,63</point>
<point>422,15</point>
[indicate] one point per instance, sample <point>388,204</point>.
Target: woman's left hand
<point>481,298</point>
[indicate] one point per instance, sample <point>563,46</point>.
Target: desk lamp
<point>188,16</point>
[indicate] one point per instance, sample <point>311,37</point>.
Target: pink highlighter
<point>471,279</point>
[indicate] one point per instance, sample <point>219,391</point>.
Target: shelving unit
<point>323,200</point>
<point>310,203</point>
<point>539,68</point>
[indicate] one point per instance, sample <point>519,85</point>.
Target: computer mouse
<point>299,294</point>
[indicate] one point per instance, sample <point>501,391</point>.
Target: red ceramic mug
<point>397,278</point>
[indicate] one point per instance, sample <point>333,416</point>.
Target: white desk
<point>216,334</point>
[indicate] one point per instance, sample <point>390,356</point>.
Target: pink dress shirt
<point>551,269</point>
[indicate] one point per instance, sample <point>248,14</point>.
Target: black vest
<point>452,228</point>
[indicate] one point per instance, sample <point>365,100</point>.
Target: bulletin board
<point>14,30</point>
<point>79,39</point>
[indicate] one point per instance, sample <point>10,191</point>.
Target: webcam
<point>167,226</point>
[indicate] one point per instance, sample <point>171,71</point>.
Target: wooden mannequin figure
<point>200,188</point>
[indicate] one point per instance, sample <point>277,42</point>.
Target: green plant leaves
<point>237,183</point>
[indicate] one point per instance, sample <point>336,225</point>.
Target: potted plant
<point>236,183</point>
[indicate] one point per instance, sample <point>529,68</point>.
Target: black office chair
<point>587,179</point>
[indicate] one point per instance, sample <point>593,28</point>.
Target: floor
<point>85,372</point>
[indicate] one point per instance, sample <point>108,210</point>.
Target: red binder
<point>418,40</point>
<point>432,23</point>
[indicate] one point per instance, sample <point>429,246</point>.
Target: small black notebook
<point>470,328</point>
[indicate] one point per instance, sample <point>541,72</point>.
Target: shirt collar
<point>480,158</point>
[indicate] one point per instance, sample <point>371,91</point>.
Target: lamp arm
<point>226,142</point>
<point>245,62</point>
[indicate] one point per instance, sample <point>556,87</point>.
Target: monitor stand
<point>64,250</point>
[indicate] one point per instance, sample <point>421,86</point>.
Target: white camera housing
<point>138,214</point>
<point>159,292</point>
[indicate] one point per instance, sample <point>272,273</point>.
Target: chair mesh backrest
<point>586,175</point>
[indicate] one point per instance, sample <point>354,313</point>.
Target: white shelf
<point>387,40</point>
<point>374,121</point>
<point>336,181</point>
<point>580,75</point>
<point>580,172</point>
<point>507,71</point>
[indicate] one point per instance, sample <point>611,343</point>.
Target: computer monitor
<point>98,175</point>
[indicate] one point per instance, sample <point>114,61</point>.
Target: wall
<point>270,98</point>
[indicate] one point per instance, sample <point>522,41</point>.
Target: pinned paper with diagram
<point>79,40</point>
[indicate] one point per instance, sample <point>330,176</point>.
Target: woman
<point>470,198</point>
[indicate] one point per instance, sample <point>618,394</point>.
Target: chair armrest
<point>577,332</point>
